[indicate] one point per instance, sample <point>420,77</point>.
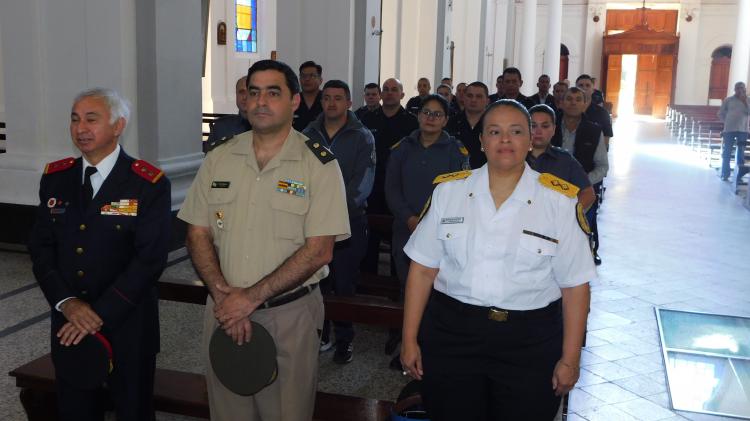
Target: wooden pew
<point>185,393</point>
<point>180,393</point>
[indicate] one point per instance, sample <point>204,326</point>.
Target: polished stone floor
<point>673,235</point>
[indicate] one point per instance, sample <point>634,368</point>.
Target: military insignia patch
<point>582,221</point>
<point>123,207</point>
<point>58,166</point>
<point>323,154</point>
<point>396,145</point>
<point>558,184</point>
<point>289,186</point>
<point>463,150</point>
<point>220,219</point>
<point>51,202</point>
<point>459,175</point>
<point>146,170</point>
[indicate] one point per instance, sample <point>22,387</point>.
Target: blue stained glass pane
<point>246,39</point>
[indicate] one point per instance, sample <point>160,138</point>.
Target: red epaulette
<point>60,165</point>
<point>146,170</point>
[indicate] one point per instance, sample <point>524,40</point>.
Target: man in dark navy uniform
<point>98,247</point>
<point>224,128</point>
<point>465,126</point>
<point>310,107</point>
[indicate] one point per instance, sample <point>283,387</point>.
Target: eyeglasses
<point>308,76</point>
<point>427,113</point>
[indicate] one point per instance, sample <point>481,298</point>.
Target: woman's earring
<point>481,148</point>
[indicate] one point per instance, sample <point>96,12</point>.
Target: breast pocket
<point>221,208</point>
<point>289,213</point>
<point>534,253</point>
<point>455,242</point>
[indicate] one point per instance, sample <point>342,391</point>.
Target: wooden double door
<point>653,83</point>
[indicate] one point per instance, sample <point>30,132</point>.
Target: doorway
<point>626,94</point>
<point>718,84</point>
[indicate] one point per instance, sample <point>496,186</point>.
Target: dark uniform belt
<point>498,314</point>
<point>288,298</point>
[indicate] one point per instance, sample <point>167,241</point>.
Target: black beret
<point>244,369</point>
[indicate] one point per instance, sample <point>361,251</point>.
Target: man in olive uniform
<point>264,212</point>
<point>98,247</point>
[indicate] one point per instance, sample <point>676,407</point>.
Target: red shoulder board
<point>146,170</point>
<point>60,165</point>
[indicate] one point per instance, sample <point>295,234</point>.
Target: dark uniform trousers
<point>111,261</point>
<point>344,275</point>
<point>480,369</point>
<point>591,218</point>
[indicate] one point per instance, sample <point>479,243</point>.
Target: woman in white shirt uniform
<point>497,294</point>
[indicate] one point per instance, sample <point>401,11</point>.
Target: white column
<point>528,44</point>
<point>685,86</point>
<point>741,47</point>
<point>554,31</point>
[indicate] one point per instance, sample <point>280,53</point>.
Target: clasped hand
<point>82,321</point>
<point>233,309</point>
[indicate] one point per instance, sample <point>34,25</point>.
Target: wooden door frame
<point>641,39</point>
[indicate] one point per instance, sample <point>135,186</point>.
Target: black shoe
<point>394,338</point>
<point>395,363</point>
<point>344,353</point>
<point>597,260</point>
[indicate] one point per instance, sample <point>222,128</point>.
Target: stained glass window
<point>246,32</point>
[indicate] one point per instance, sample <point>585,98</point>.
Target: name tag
<point>452,220</point>
<point>220,184</point>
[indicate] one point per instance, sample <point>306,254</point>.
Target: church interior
<point>674,235</point>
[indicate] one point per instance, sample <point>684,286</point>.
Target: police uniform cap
<point>244,369</point>
<point>85,366</point>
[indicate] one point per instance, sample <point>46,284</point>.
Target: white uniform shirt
<point>516,257</point>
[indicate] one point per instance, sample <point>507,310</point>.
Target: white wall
<point>2,85</point>
<point>223,64</point>
<point>466,24</point>
<point>718,24</point>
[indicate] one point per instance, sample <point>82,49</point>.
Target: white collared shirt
<point>516,257</point>
<point>103,168</point>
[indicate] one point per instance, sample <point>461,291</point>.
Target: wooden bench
<point>180,393</point>
<point>185,393</point>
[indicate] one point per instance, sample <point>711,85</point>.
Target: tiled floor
<point>672,234</point>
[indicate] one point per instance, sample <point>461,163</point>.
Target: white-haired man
<point>98,247</point>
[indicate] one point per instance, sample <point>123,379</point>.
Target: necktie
<point>87,190</point>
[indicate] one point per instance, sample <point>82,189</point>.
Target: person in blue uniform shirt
<point>98,247</point>
<point>225,127</point>
<point>498,290</point>
<point>544,157</point>
<point>414,163</point>
<point>310,107</point>
<point>354,148</point>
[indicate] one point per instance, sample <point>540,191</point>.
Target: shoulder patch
<point>396,145</point>
<point>60,165</point>
<point>458,175</point>
<point>218,142</point>
<point>320,150</point>
<point>146,170</point>
<point>558,184</point>
<point>463,150</point>
<point>582,221</point>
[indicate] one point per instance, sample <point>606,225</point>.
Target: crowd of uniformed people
<point>493,199</point>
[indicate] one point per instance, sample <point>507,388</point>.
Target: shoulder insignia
<point>463,150</point>
<point>218,142</point>
<point>558,184</point>
<point>60,165</point>
<point>396,145</point>
<point>146,170</point>
<point>320,150</point>
<point>582,221</point>
<point>458,175</point>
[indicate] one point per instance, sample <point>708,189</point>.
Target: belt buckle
<point>498,315</point>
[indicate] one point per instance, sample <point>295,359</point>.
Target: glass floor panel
<point>706,333</point>
<point>707,362</point>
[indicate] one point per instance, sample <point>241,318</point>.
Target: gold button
<point>118,227</point>
<point>323,153</point>
<point>316,145</point>
<point>80,274</point>
<point>82,227</point>
<point>79,250</point>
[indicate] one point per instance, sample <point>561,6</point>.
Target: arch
<point>718,82</point>
<point>564,53</point>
